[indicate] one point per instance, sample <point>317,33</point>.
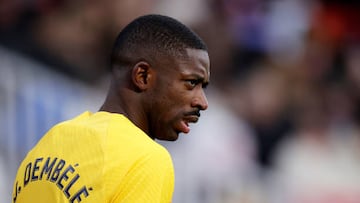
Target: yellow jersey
<point>95,157</point>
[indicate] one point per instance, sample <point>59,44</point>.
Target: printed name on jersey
<point>57,171</point>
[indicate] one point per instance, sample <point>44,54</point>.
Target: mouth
<point>184,123</point>
<point>191,119</point>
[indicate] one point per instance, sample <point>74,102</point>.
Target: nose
<point>200,101</point>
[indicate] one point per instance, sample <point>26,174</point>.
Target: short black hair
<point>152,35</point>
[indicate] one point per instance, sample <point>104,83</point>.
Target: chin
<point>173,138</point>
<point>169,137</point>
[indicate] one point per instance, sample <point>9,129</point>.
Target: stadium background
<point>283,123</point>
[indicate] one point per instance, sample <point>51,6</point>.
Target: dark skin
<point>161,97</point>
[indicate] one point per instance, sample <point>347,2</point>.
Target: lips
<point>184,123</point>
<point>184,127</point>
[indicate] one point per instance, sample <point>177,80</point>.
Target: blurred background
<point>284,117</point>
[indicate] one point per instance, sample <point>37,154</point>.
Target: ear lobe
<point>141,75</point>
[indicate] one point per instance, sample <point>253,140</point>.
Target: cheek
<point>170,97</point>
<point>170,101</point>
<point>176,98</point>
<point>170,94</point>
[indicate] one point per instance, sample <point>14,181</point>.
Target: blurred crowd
<point>283,124</point>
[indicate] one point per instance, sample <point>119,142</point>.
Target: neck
<point>130,107</point>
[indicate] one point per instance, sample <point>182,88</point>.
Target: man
<point>159,71</point>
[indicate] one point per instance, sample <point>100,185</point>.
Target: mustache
<point>193,113</point>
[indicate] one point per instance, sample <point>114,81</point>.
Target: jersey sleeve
<point>150,180</point>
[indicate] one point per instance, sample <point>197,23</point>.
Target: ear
<point>142,75</point>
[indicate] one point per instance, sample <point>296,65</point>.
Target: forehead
<point>196,62</point>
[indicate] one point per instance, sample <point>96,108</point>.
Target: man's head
<point>160,67</point>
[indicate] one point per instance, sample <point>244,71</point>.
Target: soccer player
<point>159,71</point>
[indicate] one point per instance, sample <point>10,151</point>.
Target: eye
<point>192,83</point>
